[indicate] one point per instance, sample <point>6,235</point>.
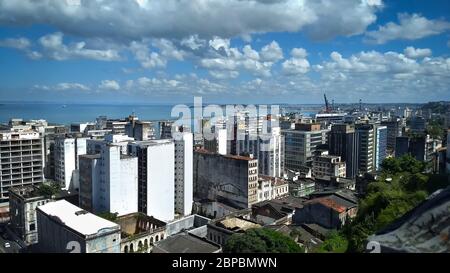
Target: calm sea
<point>72,113</point>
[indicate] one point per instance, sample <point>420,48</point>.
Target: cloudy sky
<point>227,51</point>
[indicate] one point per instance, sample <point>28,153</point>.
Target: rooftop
<point>76,218</point>
<point>185,243</point>
<point>27,192</point>
<point>237,157</point>
<point>333,202</point>
<point>138,223</point>
<point>94,156</point>
<point>235,224</point>
<point>276,181</point>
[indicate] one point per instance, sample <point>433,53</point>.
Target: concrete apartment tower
<point>66,152</point>
<point>184,192</point>
<point>113,175</point>
<point>156,164</point>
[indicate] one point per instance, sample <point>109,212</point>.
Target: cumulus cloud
<point>54,48</point>
<point>63,87</point>
<point>415,53</point>
<point>224,61</point>
<point>272,52</point>
<point>410,27</point>
<point>298,64</point>
<point>146,58</point>
<point>109,85</point>
<point>160,18</point>
<point>184,85</point>
<point>18,43</point>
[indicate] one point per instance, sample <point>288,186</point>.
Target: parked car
<point>7,245</point>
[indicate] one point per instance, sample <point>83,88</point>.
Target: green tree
<point>108,216</point>
<point>261,240</point>
<point>334,243</point>
<point>48,189</point>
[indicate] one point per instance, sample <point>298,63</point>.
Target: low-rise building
<point>186,243</point>
<point>270,187</point>
<point>302,187</point>
<point>330,211</point>
<point>276,211</point>
<point>140,232</point>
<point>23,202</point>
<point>219,230</point>
<point>327,166</point>
<point>63,228</point>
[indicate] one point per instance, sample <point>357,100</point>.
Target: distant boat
<point>64,106</point>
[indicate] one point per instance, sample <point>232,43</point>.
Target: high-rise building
<point>21,156</point>
<point>114,177</point>
<point>327,166</point>
<point>219,143</point>
<point>230,179</point>
<point>89,186</point>
<point>418,124</point>
<point>139,130</point>
<point>394,130</point>
<point>271,153</point>
<point>301,143</point>
<point>66,151</point>
<point>366,143</point>
<point>448,151</point>
<point>184,188</point>
<point>156,166</point>
<point>343,142</point>
<point>117,126</point>
<point>401,146</point>
<point>381,136</point>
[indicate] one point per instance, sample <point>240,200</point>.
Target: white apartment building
<point>156,177</point>
<point>271,153</point>
<point>115,183</point>
<point>184,192</point>
<point>66,152</point>
<point>219,143</point>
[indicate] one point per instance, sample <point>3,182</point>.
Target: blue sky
<point>255,51</point>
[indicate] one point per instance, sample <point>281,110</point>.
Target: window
<point>32,227</point>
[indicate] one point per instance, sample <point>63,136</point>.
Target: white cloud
<point>109,85</point>
<point>168,49</point>
<point>183,18</point>
<point>193,42</point>
<point>18,43</point>
<point>63,87</point>
<point>71,86</point>
<point>298,64</point>
<point>146,58</point>
<point>54,48</point>
<point>224,61</point>
<point>415,53</point>
<point>410,27</point>
<point>224,74</point>
<point>272,52</point>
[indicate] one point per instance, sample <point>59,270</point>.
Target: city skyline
<point>267,51</point>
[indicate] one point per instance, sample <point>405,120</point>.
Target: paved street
<point>14,248</point>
